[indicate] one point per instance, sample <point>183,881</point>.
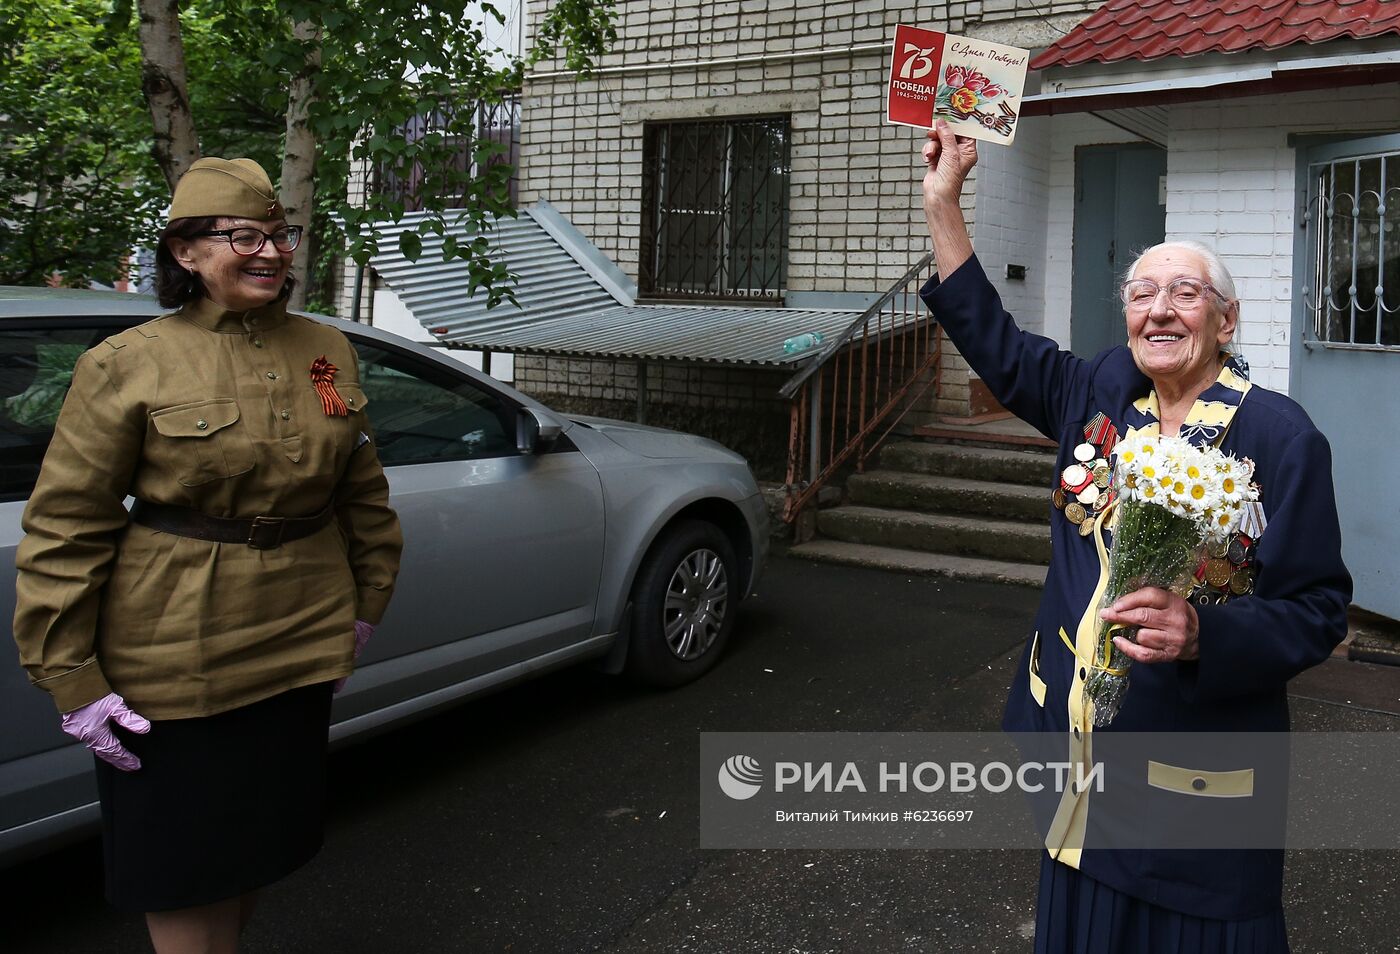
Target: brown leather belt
<point>260,533</point>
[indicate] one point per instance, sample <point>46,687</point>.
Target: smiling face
<point>237,282</point>
<point>1178,348</point>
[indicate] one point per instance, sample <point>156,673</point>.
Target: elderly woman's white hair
<point>1216,272</point>
<point>1218,275</point>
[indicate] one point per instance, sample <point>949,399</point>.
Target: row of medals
<point>1085,489</point>
<point>1227,570</point>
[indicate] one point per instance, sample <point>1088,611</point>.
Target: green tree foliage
<point>78,188</point>
<point>388,62</point>
<point>383,64</point>
<point>240,103</point>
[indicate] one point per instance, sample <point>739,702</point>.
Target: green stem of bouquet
<point>1151,547</point>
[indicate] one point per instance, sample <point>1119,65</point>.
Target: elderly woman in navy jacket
<point>1216,662</point>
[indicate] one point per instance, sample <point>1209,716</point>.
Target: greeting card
<point>974,85</point>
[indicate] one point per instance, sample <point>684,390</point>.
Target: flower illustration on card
<point>963,100</point>
<point>964,89</point>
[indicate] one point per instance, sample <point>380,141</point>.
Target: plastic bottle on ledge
<point>802,342</point>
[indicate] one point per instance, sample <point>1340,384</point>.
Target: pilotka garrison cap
<point>236,188</point>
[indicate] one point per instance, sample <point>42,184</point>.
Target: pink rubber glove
<point>363,631</point>
<point>89,724</point>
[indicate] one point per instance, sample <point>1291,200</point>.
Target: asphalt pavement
<point>561,816</point>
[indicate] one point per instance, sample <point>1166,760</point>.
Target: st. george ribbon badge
<point>323,380</point>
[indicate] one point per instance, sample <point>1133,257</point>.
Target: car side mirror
<point>536,430</point>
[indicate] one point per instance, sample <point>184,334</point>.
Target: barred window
<point>1352,290</point>
<point>490,121</point>
<point>715,209</point>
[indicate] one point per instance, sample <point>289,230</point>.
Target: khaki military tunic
<point>215,411</point>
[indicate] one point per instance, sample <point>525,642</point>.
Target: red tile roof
<point>1149,29</point>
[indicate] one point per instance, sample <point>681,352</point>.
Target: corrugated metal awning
<point>553,283</point>
<point>573,301</point>
<point>725,335</point>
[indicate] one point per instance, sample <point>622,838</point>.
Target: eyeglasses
<point>1183,293</point>
<point>250,241</point>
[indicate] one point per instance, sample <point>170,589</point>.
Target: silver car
<point>532,541</point>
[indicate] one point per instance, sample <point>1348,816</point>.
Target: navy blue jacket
<point>1250,646</point>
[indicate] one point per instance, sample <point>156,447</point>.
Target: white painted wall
<point>1013,195</point>
<point>392,315</point>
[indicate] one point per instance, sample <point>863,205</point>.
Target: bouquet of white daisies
<point>1173,500</point>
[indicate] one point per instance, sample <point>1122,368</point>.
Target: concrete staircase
<point>966,512</point>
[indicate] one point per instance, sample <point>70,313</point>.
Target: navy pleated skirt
<point>1077,915</point>
<point>221,805</point>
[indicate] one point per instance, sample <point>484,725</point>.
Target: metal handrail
<point>829,348</point>
<point>856,390</point>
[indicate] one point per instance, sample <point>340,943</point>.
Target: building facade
<point>738,151</point>
<point>1266,130</point>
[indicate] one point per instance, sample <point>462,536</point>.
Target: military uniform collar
<point>213,317</point>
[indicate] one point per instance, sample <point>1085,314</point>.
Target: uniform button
<point>349,400</point>
<point>272,375</point>
<point>257,342</point>
<point>1198,783</point>
<point>1076,732</point>
<point>201,424</point>
<point>1083,673</point>
<point>286,414</point>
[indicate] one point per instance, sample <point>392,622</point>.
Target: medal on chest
<point>1228,567</point>
<point>1084,487</point>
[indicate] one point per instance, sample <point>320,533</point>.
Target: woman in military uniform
<point>1273,603</point>
<point>195,643</point>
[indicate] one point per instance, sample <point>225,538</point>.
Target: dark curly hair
<point>176,285</point>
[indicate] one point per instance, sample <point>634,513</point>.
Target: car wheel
<point>683,605</point>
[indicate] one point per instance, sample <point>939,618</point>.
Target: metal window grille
<point>497,122</point>
<point>1353,240</point>
<point>715,209</point>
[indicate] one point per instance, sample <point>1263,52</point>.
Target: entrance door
<point>1345,367</point>
<point>1118,212</point>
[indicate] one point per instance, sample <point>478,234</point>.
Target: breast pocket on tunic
<point>325,441</point>
<point>354,397</point>
<point>203,441</point>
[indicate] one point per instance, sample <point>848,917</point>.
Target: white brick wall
<point>1013,190</point>
<point>855,222</point>
<point>1232,183</point>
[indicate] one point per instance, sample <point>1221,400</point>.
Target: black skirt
<point>221,805</point>
<point>1077,915</point>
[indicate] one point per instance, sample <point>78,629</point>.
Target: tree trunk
<point>298,186</point>
<point>166,89</point>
